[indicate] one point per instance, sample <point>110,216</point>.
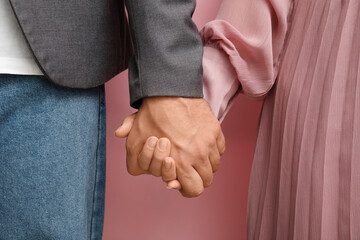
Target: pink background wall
<point>141,208</point>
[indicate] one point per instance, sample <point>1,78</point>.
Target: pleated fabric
<point>305,179</point>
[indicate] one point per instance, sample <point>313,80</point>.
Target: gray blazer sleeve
<point>168,50</point>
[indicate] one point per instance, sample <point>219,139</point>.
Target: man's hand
<point>196,139</point>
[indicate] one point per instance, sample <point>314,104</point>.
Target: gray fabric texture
<point>82,44</point>
<point>168,50</point>
<point>77,43</point>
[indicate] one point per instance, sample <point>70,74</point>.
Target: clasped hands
<point>176,138</point>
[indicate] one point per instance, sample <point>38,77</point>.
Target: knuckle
<point>157,155</point>
<point>216,163</point>
<point>209,140</point>
<point>197,192</point>
<point>144,162</point>
<point>141,157</point>
<point>224,148</point>
<point>157,160</point>
<point>207,179</point>
<point>202,154</point>
<point>216,166</point>
<point>155,173</point>
<point>130,153</point>
<point>132,171</point>
<point>143,166</point>
<point>208,182</point>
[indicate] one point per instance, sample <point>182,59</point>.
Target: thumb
<point>174,184</point>
<point>124,130</point>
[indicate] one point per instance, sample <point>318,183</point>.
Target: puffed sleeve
<point>242,48</point>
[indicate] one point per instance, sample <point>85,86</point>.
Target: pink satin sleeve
<point>242,49</point>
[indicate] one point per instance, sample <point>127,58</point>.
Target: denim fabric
<point>52,160</point>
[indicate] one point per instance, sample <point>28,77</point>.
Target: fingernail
<point>167,163</point>
<point>152,142</point>
<point>163,144</point>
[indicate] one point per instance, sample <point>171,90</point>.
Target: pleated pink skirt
<point>305,180</point>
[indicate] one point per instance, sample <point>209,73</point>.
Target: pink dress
<point>303,58</point>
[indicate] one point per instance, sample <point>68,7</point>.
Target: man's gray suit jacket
<point>84,43</point>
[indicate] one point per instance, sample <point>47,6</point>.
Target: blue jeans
<point>52,160</point>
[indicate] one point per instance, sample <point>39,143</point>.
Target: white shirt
<point>15,54</point>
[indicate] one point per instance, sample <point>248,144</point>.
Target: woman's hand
<point>155,157</point>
